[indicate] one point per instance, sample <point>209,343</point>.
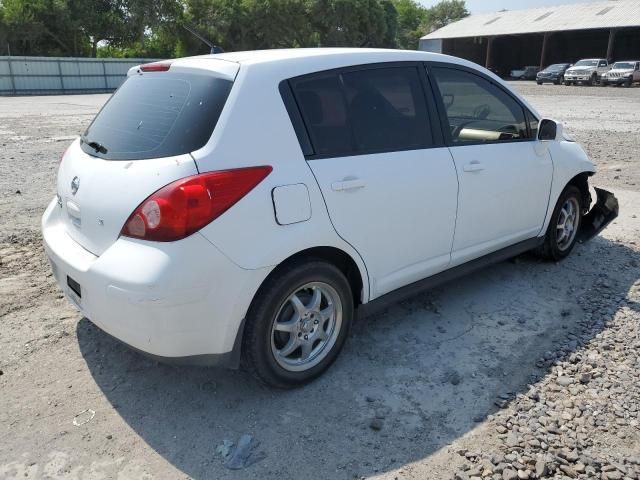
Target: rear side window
<point>477,110</point>
<point>324,112</point>
<point>387,109</point>
<point>364,111</point>
<point>158,115</point>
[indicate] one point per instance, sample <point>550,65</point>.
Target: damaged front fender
<point>602,214</point>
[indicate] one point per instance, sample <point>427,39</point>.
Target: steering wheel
<point>482,111</point>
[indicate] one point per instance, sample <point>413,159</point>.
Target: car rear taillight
<point>186,205</point>
<point>155,67</point>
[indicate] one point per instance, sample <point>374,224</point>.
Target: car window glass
<point>158,115</point>
<point>477,110</point>
<point>364,111</point>
<point>323,108</point>
<point>534,123</point>
<point>603,64</point>
<point>387,109</point>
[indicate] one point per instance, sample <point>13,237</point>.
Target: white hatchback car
<point>244,206</point>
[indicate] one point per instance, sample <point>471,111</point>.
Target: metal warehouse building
<point>541,36</point>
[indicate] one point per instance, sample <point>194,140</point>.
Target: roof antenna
<point>214,48</point>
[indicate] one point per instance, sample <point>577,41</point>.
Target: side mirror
<point>549,130</point>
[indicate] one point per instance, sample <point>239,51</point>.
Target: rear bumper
<point>602,214</point>
<point>181,302</point>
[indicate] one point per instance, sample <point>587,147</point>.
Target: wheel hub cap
<point>567,223</point>
<point>306,327</point>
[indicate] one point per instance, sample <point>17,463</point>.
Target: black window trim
<point>302,131</point>
<point>444,121</point>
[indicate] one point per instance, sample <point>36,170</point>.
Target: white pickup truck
<point>587,71</point>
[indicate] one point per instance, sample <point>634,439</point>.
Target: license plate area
<point>74,286</point>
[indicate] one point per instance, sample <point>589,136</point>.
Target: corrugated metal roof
<point>581,16</point>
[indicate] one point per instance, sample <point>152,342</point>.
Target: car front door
<point>388,181</point>
<point>504,173</point>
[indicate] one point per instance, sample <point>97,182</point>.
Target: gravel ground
<point>523,370</point>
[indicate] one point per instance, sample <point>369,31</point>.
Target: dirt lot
<point>523,370</point>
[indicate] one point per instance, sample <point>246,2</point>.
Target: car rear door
<point>388,181</point>
<point>139,142</point>
<point>504,172</point>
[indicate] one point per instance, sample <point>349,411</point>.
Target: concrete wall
<point>51,75</point>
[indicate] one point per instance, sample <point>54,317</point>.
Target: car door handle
<point>474,166</point>
<point>347,185</point>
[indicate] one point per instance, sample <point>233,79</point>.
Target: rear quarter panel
<point>255,129</point>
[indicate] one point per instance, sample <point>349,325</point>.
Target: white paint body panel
<point>503,196</point>
<point>162,298</point>
<point>291,204</point>
<point>402,217</point>
<point>399,224</point>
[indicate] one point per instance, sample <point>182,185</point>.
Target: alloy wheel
<point>567,225</point>
<point>306,327</point>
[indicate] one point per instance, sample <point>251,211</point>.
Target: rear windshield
<point>157,115</point>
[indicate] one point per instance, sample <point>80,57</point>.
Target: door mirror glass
<point>548,130</point>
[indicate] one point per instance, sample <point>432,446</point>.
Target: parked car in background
<point>622,73</point>
<point>246,205</point>
<point>552,74</point>
<point>587,71</point>
<point>525,73</point>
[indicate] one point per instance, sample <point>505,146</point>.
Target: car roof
<point>324,58</point>
<point>293,54</point>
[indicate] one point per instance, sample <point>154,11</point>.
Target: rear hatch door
<point>139,142</point>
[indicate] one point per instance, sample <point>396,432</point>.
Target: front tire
<point>564,225</point>
<point>297,324</point>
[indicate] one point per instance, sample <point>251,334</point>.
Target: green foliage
<point>445,12</point>
<point>155,28</point>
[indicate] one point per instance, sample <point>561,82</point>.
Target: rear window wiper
<point>98,147</point>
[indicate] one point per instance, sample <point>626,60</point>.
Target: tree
<point>411,20</point>
<point>445,12</point>
<point>349,23</point>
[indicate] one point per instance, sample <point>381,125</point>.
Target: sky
<point>481,6</point>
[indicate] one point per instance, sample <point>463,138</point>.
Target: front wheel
<point>297,324</point>
<point>564,225</point>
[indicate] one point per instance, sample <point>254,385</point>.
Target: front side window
<point>364,111</point>
<point>477,110</point>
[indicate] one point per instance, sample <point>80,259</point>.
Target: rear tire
<point>564,225</point>
<point>567,83</point>
<point>297,324</point>
<point>539,83</point>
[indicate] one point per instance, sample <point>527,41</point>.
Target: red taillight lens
<point>186,205</point>
<point>155,67</point>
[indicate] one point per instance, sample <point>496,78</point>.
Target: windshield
<point>624,66</point>
<point>157,115</point>
<point>556,68</point>
<point>587,63</point>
